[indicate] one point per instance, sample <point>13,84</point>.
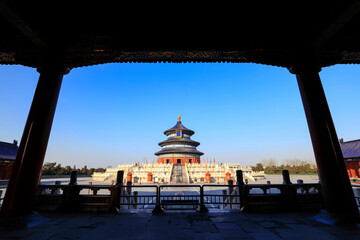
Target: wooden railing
<point>281,197</point>
<point>68,198</point>
<point>118,197</point>
<point>99,198</point>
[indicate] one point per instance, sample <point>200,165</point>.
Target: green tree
<point>57,169</point>
<point>258,167</point>
<point>100,170</point>
<point>48,168</point>
<point>68,170</point>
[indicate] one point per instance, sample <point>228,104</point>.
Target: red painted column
<point>207,177</point>
<point>352,170</point>
<point>2,171</point>
<point>129,177</point>
<point>150,177</point>
<point>335,183</point>
<point>7,170</point>
<point>347,166</point>
<point>26,172</point>
<point>228,176</point>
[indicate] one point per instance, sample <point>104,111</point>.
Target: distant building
<point>179,148</point>
<point>351,153</point>
<point>8,153</point>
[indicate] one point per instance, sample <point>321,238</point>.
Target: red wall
<point>353,168</point>
<point>5,170</point>
<point>183,160</point>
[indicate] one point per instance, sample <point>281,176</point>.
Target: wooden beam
<point>21,25</point>
<point>334,26</point>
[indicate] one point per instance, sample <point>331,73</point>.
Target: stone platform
<point>181,225</point>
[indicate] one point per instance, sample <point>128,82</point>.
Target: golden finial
<point>179,118</point>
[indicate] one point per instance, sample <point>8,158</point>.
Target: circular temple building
<point>179,148</point>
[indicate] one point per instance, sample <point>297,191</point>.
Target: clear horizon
<point>116,113</point>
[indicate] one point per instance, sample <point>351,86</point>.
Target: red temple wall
<point>174,160</point>
<point>5,170</point>
<point>353,169</point>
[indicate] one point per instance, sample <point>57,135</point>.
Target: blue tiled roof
<point>179,126</point>
<point>350,149</point>
<point>8,150</point>
<point>178,150</point>
<point>182,140</point>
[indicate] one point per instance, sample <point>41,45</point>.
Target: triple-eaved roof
<point>350,149</point>
<point>179,126</point>
<point>8,151</point>
<point>183,140</point>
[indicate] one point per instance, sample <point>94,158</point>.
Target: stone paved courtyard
<point>184,225</point>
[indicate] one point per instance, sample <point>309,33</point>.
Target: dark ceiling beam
<point>334,26</point>
<point>21,25</point>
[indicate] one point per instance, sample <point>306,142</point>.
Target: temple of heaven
<point>179,148</point>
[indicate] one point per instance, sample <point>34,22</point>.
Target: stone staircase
<point>179,175</point>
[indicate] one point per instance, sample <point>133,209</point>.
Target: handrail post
<point>224,194</point>
<point>117,190</point>
<point>135,199</point>
<point>128,187</point>
<point>202,208</point>
<point>158,209</point>
<point>128,192</point>
<point>299,182</point>
<point>289,189</point>
<point>286,176</point>
<point>239,177</point>
<point>73,178</point>
<point>288,192</point>
<point>231,189</point>
<point>57,191</point>
<point>71,193</point>
<point>240,184</point>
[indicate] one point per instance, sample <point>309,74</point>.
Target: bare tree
<point>268,162</point>
<point>294,162</point>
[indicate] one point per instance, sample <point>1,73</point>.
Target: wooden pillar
<point>335,183</point>
<point>26,172</point>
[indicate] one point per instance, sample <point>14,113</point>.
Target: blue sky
<point>116,113</point>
